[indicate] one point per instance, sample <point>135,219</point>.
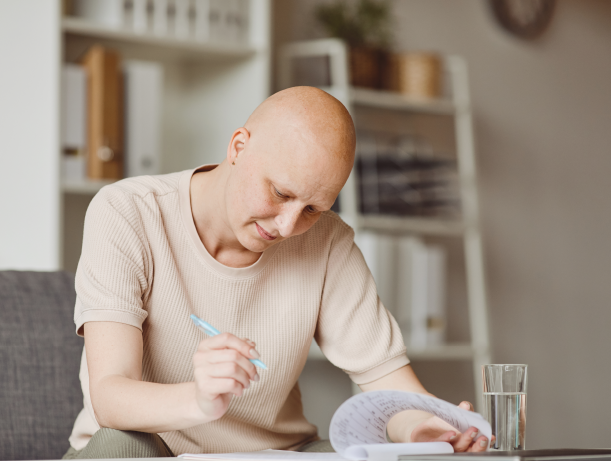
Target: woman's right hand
<point>222,368</point>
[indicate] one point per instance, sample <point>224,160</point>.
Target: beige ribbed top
<point>143,264</point>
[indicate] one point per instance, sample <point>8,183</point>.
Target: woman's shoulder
<point>141,186</point>
<point>328,231</point>
<point>129,194</point>
<point>331,223</point>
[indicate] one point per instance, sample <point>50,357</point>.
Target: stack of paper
<point>358,430</point>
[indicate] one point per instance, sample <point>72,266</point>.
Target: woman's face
<point>280,185</point>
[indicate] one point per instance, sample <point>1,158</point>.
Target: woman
<point>251,247</point>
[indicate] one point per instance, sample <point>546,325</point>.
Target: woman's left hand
<point>437,430</point>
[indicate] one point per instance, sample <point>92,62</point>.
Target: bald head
<point>316,116</point>
<point>284,167</point>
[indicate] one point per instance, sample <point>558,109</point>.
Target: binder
<point>202,20</point>
<point>436,296</point>
<point>74,108</point>
<point>140,16</point>
<point>143,105</point>
<point>379,251</point>
<point>105,113</point>
<point>160,17</point>
<point>182,19</point>
<point>74,122</point>
<point>419,293</point>
<point>217,24</point>
<point>107,12</point>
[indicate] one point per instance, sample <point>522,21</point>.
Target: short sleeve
<point>355,331</point>
<point>113,272</point>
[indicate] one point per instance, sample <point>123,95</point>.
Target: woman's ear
<point>238,142</point>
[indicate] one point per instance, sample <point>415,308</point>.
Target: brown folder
<point>105,113</point>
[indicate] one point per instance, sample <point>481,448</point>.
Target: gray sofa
<point>40,393</point>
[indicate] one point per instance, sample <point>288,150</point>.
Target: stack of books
<point>216,21</point>
<point>401,176</point>
<point>111,117</point>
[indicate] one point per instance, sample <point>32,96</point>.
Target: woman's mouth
<point>265,235</point>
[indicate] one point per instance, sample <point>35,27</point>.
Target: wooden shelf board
<point>181,48</point>
<point>433,226</point>
<point>85,187</point>
<point>397,101</point>
<point>446,352</point>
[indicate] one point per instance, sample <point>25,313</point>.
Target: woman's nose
<point>287,221</point>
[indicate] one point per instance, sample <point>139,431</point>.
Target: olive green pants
<point>110,443</point>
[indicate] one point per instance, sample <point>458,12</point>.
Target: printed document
<point>358,430</point>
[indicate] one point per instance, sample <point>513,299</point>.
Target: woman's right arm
<point>121,400</point>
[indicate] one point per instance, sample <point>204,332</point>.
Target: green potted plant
<point>366,28</point>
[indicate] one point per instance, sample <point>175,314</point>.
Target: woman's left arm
<point>419,426</point>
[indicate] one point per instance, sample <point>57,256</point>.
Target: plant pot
<point>366,67</point>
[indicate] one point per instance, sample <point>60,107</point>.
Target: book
<point>435,296</point>
<point>380,253</point>
<point>265,455</point>
<point>105,113</point>
<point>74,122</point>
<point>358,429</point>
<point>202,20</point>
<point>421,295</point>
<point>74,108</point>
<point>139,19</point>
<point>182,13</point>
<point>216,21</point>
<point>143,107</point>
<point>160,17</point>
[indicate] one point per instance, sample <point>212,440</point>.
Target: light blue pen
<point>211,331</point>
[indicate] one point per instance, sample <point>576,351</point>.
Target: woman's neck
<point>209,210</point>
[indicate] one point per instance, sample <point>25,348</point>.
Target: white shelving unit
<point>175,48</point>
<point>456,108</point>
<point>210,89</point>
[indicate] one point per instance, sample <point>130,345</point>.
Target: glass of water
<point>505,404</point>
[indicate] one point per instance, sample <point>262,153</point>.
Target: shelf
<point>397,101</point>
<point>446,352</point>
<point>177,48</point>
<point>395,224</point>
<point>85,187</point>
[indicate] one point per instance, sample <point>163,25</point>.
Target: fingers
<point>216,387</point>
<point>229,341</point>
<point>230,370</point>
<point>464,441</point>
<point>449,437</point>
<point>232,356</point>
<point>466,406</point>
<point>222,366</point>
<point>252,343</point>
<point>480,444</point>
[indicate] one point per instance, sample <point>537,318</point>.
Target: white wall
<point>543,126</point>
<point>29,134</point>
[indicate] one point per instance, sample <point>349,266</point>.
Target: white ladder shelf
<point>467,227</point>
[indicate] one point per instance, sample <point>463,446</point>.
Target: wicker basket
<point>417,75</point>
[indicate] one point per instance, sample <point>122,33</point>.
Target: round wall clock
<point>523,18</point>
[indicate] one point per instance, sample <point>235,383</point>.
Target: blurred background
<point>479,194</point>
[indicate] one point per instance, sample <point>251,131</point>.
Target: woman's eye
<point>310,210</point>
<point>278,193</point>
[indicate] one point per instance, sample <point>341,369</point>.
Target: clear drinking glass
<point>505,404</point>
